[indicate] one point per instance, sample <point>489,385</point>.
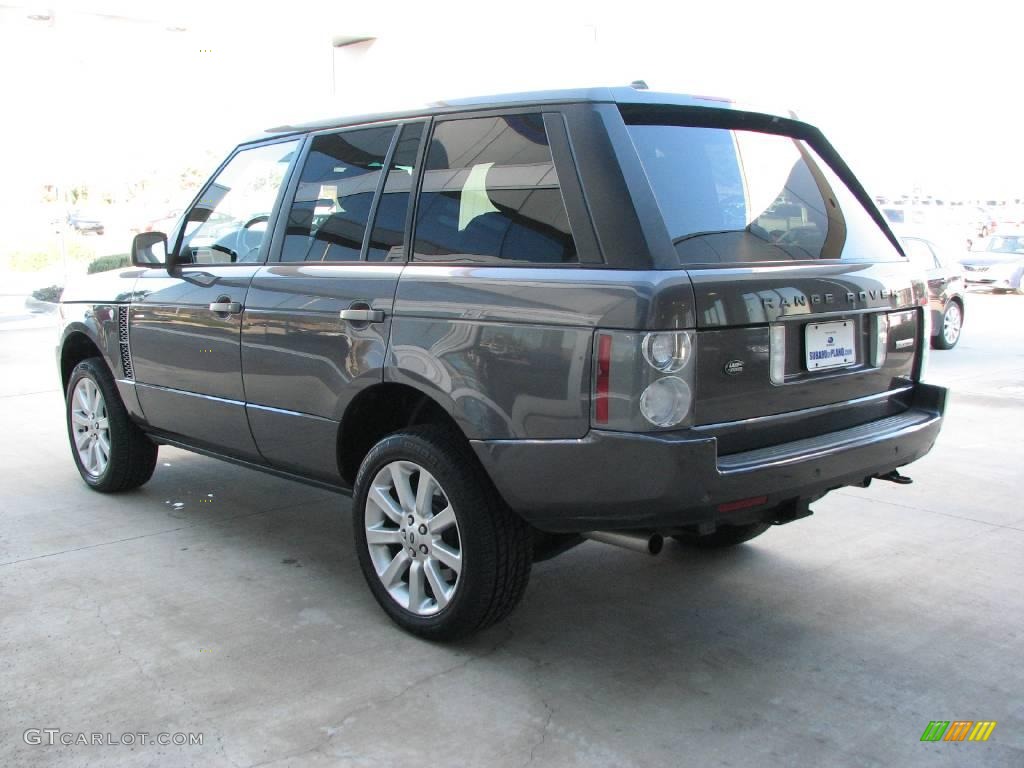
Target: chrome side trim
<point>225,400</point>
<point>286,412</point>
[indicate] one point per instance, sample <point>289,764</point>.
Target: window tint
<point>743,196</point>
<point>1010,244</point>
<point>490,193</point>
<point>332,204</point>
<point>388,236</point>
<point>227,224</point>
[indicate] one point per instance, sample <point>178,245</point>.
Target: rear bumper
<point>614,480</point>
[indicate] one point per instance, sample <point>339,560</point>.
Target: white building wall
<point>399,70</point>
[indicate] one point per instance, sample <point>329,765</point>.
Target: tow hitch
<point>795,509</point>
<point>895,477</point>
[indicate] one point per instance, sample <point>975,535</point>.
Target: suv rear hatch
<point>809,316</point>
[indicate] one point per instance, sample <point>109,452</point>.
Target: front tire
<point>441,552</point>
<point>724,536</point>
<point>112,454</point>
<point>950,328</point>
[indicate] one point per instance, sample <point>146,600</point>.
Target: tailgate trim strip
<point>810,447</point>
<point>786,415</point>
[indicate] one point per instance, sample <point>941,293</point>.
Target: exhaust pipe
<point>646,543</point>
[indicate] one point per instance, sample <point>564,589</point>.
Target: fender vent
<point>122,338</point>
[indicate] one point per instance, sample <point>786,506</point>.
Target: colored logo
<point>958,730</point>
<point>831,340</point>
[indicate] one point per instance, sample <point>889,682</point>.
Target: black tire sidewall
<point>472,502</point>
<point>121,470</point>
<point>86,370</point>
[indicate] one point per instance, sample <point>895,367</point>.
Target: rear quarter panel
<point>507,350</point>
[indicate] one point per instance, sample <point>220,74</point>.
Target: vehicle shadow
<point>694,616</point>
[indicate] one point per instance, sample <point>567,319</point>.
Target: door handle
<point>362,315</point>
<point>226,307</point>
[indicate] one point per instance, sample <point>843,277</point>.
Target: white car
<point>1000,266</point>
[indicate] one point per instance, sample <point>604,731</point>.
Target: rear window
<point>735,196</point>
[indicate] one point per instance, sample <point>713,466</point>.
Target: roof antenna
<point>640,85</point>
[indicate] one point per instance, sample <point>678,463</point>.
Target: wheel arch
<point>76,346</point>
<point>380,410</point>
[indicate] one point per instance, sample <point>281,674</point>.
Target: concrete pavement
<point>220,601</point>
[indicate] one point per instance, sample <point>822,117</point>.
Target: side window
<point>919,253</point>
<point>228,223</point>
<point>387,239</point>
<point>327,219</point>
<point>490,194</point>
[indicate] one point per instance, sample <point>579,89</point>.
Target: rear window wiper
<point>692,235</point>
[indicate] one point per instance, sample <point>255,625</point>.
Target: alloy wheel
<point>952,321</point>
<point>91,427</point>
<point>413,538</point>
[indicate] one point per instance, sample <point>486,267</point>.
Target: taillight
<point>643,381</point>
<point>601,380</point>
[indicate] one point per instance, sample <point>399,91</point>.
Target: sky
<point>914,95</point>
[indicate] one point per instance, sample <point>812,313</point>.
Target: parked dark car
<point>506,324</point>
<point>1000,266</point>
<point>946,289</point>
<point>83,224</point>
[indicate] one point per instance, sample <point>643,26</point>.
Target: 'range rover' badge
<point>734,367</point>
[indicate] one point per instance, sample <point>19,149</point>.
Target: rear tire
<point>112,454</point>
<point>724,536</point>
<point>950,327</point>
<point>446,579</point>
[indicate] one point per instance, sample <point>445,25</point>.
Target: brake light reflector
<point>733,506</point>
<point>604,367</point>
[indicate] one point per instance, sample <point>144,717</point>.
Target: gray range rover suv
<point>507,324</point>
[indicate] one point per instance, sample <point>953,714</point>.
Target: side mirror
<point>149,249</point>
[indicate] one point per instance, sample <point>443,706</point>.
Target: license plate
<point>830,345</point>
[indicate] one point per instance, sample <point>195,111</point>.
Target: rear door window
<point>388,235</point>
<point>327,220</point>
<point>491,195</point>
<point>735,196</point>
